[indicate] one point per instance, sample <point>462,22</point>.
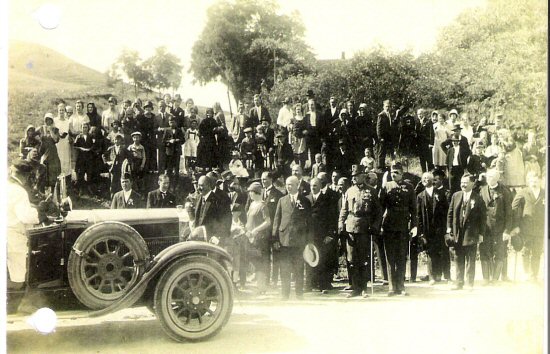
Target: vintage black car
<point>113,259</point>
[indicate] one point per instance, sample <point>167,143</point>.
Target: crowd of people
<point>312,181</point>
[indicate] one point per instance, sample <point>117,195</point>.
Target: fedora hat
<point>311,255</point>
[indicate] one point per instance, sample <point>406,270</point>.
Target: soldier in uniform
<point>398,202</point>
<point>360,217</point>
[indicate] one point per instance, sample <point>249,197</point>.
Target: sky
<point>94,32</point>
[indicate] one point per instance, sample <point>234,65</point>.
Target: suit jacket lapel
<point>468,208</point>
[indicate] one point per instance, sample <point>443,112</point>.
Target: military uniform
<point>399,207</point>
<point>360,216</point>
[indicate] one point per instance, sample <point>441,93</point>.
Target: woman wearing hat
<point>28,143</point>
<point>258,224</point>
<point>48,136</point>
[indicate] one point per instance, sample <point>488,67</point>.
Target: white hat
<point>311,255</point>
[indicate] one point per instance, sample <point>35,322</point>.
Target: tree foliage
<point>247,46</point>
<point>165,69</point>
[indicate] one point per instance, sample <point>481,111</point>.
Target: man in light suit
<point>161,197</point>
<point>466,219</point>
<point>126,198</point>
<point>291,232</point>
<point>528,209</point>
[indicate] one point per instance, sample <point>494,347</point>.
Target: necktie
<point>163,194</point>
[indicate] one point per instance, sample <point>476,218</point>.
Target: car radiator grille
<point>157,244</point>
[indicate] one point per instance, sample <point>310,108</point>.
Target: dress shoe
<point>432,282</point>
<point>403,293</point>
<point>365,295</point>
<point>325,292</point>
<point>353,294</point>
<point>348,288</point>
<point>425,278</point>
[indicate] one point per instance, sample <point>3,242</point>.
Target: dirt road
<point>500,319</point>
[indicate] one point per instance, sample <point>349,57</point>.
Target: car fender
<point>161,262</point>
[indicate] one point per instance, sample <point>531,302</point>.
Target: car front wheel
<point>193,299</point>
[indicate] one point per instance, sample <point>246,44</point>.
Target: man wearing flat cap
<point>458,151</point>
<point>398,202</point>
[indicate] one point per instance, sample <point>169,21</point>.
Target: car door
<point>45,261</point>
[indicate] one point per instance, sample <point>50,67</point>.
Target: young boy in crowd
<point>248,149</point>
<point>191,143</point>
<point>318,166</point>
<point>173,139</point>
<point>367,161</point>
<point>115,158</point>
<point>137,160</point>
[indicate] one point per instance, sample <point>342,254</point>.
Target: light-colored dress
<point>63,146</point>
<point>441,134</point>
<point>514,169</point>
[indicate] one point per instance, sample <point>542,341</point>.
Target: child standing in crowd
<point>248,149</point>
<point>137,160</point>
<point>190,147</point>
<point>261,143</point>
<point>83,144</point>
<point>173,139</point>
<point>318,166</point>
<point>368,161</point>
<point>116,129</point>
<point>115,158</point>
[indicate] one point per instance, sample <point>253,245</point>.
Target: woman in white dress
<point>442,133</point>
<point>62,123</point>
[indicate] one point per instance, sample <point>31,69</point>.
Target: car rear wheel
<point>105,262</point>
<point>194,299</point>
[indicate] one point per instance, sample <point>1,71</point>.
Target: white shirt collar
<point>126,194</point>
<point>536,192</point>
<point>315,196</point>
<point>430,190</point>
<point>324,189</point>
<point>467,195</point>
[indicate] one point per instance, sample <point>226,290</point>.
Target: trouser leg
<point>403,245</point>
<point>392,252</point>
<point>285,271</point>
<point>460,262</point>
<point>381,254</point>
<point>485,257</point>
<point>298,270</point>
<point>471,253</point>
<point>380,152</point>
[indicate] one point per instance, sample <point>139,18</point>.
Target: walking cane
<point>371,266</point>
<point>410,265</point>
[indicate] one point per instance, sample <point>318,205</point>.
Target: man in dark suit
<point>432,205</point>
<point>359,220</point>
<point>126,198</point>
<point>271,196</point>
<point>528,209</point>
<point>323,223</point>
<point>114,157</point>
<point>458,151</point>
<point>303,187</point>
<point>465,229</point>
<point>493,249</point>
<point>213,211</point>
<point>440,187</point>
<point>386,128</point>
<point>291,231</point>
<point>161,197</point>
<point>332,112</point>
<point>283,156</point>
<point>258,112</point>
<point>425,142</point>
<point>316,128</point>
<point>398,202</point>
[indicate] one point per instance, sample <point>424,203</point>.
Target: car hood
<point>128,216</point>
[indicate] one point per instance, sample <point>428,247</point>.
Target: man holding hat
<point>290,233</point>
<point>458,151</point>
<point>398,202</point>
<point>359,219</point>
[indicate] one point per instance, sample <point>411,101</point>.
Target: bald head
<point>323,177</point>
<point>315,185</point>
<point>292,184</point>
<point>205,185</point>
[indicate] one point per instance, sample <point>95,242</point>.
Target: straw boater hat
<point>311,255</point>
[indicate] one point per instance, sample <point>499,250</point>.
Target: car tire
<point>193,299</point>
<point>107,259</point>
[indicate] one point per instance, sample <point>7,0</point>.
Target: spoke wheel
<point>194,299</point>
<point>105,268</point>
